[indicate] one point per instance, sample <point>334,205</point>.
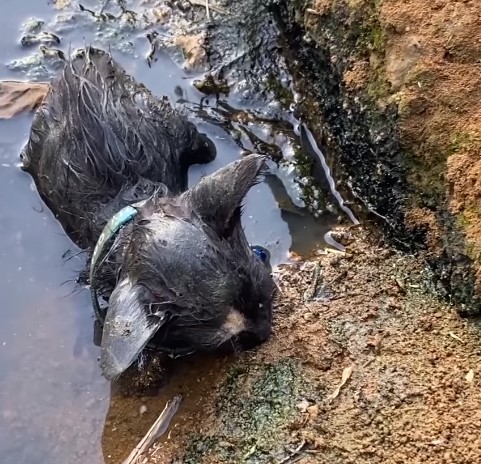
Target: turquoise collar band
<point>118,220</point>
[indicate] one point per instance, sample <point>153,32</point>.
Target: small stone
<point>470,376</point>
<point>313,411</point>
<point>143,409</point>
<point>303,405</point>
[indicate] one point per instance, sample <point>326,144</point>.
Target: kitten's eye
<point>261,253</point>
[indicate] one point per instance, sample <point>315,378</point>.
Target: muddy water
<point>53,400</point>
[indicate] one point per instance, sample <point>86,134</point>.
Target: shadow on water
<point>53,400</point>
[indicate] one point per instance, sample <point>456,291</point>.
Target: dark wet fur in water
<point>181,275</point>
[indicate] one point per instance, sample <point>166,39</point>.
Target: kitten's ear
<point>217,198</point>
<point>128,327</point>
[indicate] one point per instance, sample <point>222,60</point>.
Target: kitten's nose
<point>249,340</point>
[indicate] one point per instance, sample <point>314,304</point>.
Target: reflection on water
<point>53,400</point>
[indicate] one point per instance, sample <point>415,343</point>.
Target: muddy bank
<point>392,88</point>
<point>369,316</point>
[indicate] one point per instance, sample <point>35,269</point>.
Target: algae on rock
<point>372,85</point>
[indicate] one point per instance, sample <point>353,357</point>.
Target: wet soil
<point>412,394</point>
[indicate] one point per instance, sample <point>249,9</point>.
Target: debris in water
<point>193,48</point>
<point>152,38</point>
<point>33,25</point>
<point>19,97</point>
<point>46,38</point>
<point>208,6</point>
<point>52,53</point>
<point>60,4</point>
<point>158,429</point>
<point>211,86</point>
<point>346,374</point>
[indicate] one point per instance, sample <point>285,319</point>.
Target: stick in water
<point>157,430</point>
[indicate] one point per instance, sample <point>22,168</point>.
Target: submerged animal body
<point>174,263</point>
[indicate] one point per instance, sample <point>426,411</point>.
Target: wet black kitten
<point>180,276</point>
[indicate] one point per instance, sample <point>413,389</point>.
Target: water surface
<point>53,400</point>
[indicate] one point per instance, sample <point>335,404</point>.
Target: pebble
<point>143,409</point>
<point>303,405</point>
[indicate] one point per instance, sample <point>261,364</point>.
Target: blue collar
<point>118,220</point>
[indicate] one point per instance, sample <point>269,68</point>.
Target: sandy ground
<point>412,369</point>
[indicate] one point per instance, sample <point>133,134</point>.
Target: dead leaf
<point>400,283</point>
<point>193,48</point>
<point>294,256</point>
<point>437,442</point>
<point>158,428</point>
<point>346,374</point>
<point>470,376</point>
<point>313,411</point>
<point>161,14</point>
<point>19,97</point>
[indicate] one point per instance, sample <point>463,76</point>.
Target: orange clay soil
<point>411,369</point>
<point>426,57</point>
<point>433,59</point>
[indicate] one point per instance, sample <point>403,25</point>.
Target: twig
<point>310,293</point>
<point>207,11</point>
<point>293,454</point>
<point>158,428</point>
<point>205,4</point>
<point>106,2</point>
<point>346,374</point>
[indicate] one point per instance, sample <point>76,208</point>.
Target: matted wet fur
<point>181,275</point>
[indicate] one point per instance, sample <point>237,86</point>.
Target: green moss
<point>312,194</point>
<point>283,94</point>
<point>377,87</point>
<point>472,249</point>
<point>462,221</point>
<point>198,448</point>
<point>428,174</point>
<point>255,405</point>
<point>377,39</point>
<point>366,28</point>
<point>304,163</point>
<point>459,142</point>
